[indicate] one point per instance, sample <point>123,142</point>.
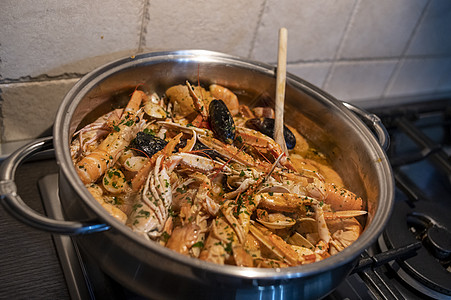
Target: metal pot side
<point>153,270</point>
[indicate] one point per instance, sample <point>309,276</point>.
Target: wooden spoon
<point>280,89</point>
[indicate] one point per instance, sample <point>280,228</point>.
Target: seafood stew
<point>199,173</point>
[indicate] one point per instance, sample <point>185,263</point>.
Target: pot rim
<point>90,80</point>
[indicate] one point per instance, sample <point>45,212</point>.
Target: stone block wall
<point>371,53</point>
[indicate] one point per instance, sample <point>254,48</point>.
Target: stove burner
<point>439,239</point>
<point>435,238</point>
<point>429,223</point>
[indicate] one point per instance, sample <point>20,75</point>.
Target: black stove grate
<point>420,137</point>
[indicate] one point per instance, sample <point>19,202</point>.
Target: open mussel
<point>148,143</point>
<point>266,126</point>
<point>221,121</point>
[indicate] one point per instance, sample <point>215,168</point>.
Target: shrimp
<point>182,101</point>
<point>183,238</point>
<point>94,165</point>
<point>344,233</point>
<point>97,193</point>
<point>91,134</point>
<point>340,198</point>
<point>276,245</point>
<point>263,143</point>
<point>229,98</point>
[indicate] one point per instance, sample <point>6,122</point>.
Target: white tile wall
<point>314,73</point>
<point>367,52</point>
<point>351,81</point>
<point>225,26</point>
<point>315,29</point>
<point>56,37</point>
<point>420,76</point>
<point>382,28</point>
<point>433,36</point>
<point>445,82</point>
<point>29,108</point>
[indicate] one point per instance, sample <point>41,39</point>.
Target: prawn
<point>94,165</point>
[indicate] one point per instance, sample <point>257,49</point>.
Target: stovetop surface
<point>29,265</point>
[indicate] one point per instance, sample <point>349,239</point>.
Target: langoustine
<point>228,196</point>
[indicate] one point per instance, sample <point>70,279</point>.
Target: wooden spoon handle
<point>280,89</point>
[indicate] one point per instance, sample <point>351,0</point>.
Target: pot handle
<point>372,121</point>
<point>13,203</point>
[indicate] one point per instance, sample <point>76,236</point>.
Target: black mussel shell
<point>221,121</point>
<point>148,143</point>
<point>203,150</point>
<point>266,126</point>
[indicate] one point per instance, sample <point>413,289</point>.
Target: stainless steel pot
<point>151,270</point>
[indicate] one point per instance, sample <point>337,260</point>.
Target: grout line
<point>41,78</point>
<point>342,43</point>
<point>360,59</point>
<point>443,79</point>
<point>143,29</point>
<point>403,57</point>
<point>254,38</point>
<point>347,29</point>
<point>402,99</point>
<point>66,76</point>
<point>370,59</point>
<point>2,127</point>
<point>417,25</point>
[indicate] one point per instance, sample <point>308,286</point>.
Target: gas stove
<point>420,158</point>
<point>411,259</point>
